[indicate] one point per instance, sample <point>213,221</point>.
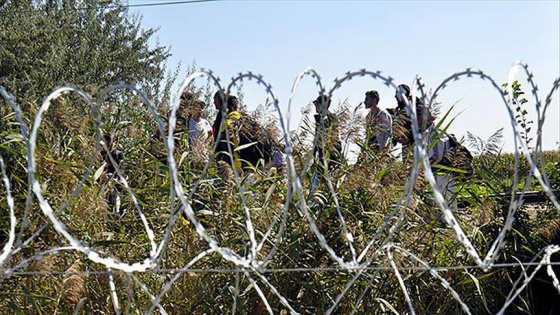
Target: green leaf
<point>382,173</point>
<point>15,308</point>
<point>475,281</point>
<point>108,243</point>
<point>183,157</point>
<point>385,303</point>
<point>34,296</point>
<point>441,131</point>
<point>79,306</point>
<point>269,193</point>
<point>244,146</point>
<point>99,172</point>
<point>447,168</point>
<point>13,137</point>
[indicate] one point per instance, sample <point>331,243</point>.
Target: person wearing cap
<point>378,124</point>
<point>327,145</point>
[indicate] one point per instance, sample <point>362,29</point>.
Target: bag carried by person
<point>255,140</point>
<point>458,158</point>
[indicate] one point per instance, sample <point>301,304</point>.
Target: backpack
<point>402,122</point>
<point>458,157</point>
<point>255,140</point>
<point>329,131</point>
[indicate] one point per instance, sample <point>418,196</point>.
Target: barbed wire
<point>262,247</point>
<point>293,270</point>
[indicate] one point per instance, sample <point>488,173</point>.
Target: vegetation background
<point>93,44</point>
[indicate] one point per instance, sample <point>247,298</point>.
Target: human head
<point>110,140</point>
<point>196,108</point>
<point>232,103</point>
<point>219,99</point>
<point>322,102</point>
<point>372,99</point>
<point>402,95</point>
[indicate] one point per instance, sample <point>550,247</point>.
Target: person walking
<point>378,124</point>
<point>228,134</point>
<point>438,146</point>
<point>200,130</point>
<point>402,119</point>
<point>327,145</point>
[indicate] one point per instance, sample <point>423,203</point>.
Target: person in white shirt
<point>378,124</point>
<point>200,129</point>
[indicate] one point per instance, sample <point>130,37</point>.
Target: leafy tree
<point>87,43</point>
<point>82,42</point>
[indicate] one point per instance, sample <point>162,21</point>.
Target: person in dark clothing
<point>227,137</point>
<point>220,98</point>
<point>243,130</point>
<point>112,172</point>
<point>117,155</point>
<point>181,128</point>
<point>402,122</point>
<point>181,132</point>
<point>327,147</point>
<point>327,142</point>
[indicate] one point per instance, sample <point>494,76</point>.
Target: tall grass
<point>65,282</point>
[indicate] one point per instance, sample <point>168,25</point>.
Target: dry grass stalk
<point>550,230</point>
<point>45,264</point>
<point>73,285</point>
